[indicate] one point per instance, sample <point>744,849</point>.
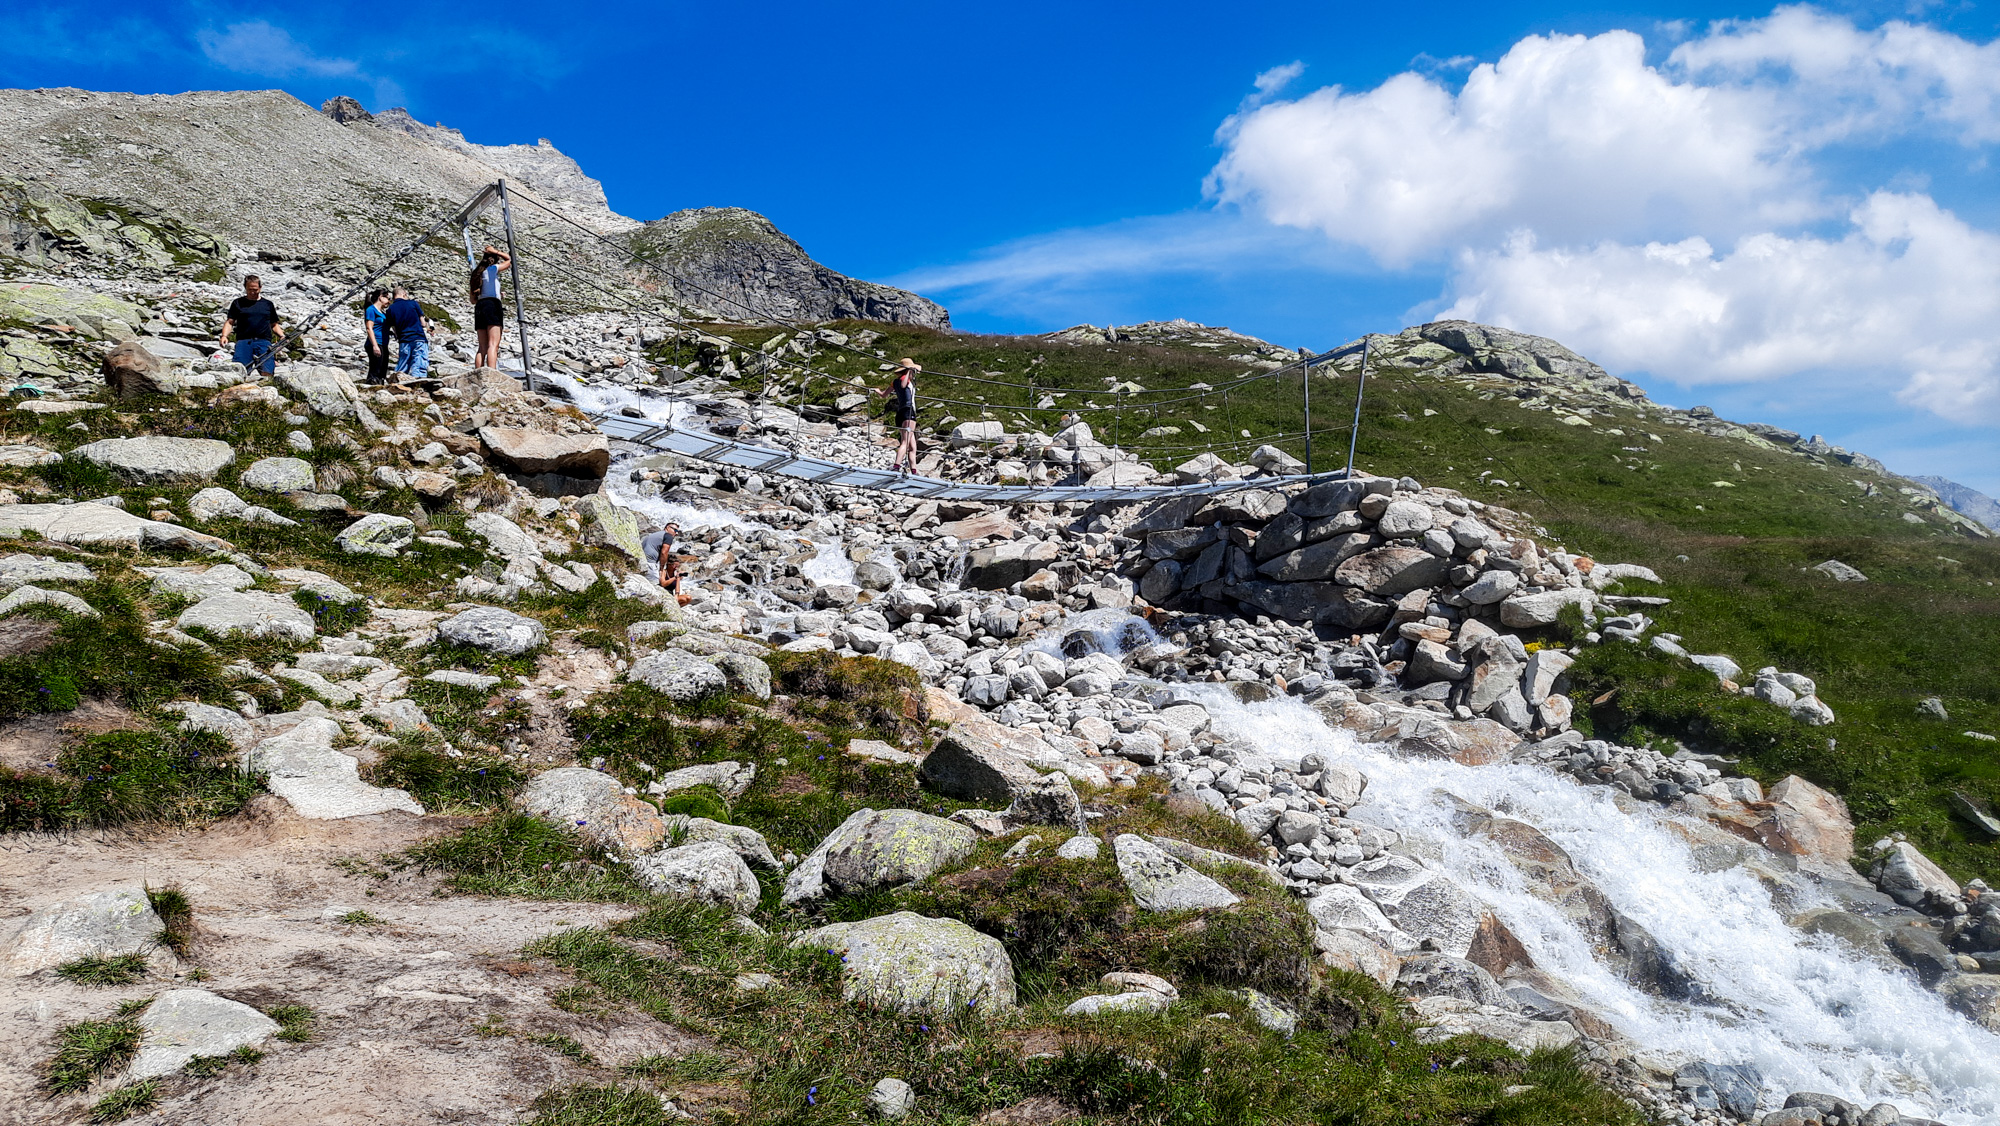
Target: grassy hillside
<point>1634,483</point>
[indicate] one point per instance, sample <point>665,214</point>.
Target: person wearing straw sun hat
<point>902,392</point>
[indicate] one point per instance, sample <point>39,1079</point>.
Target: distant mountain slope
<point>1966,501</point>
<point>341,189</point>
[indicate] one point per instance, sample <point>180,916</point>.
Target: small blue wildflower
<point>810,1092</point>
<point>583,822</point>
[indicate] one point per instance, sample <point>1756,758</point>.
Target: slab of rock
<point>708,872</point>
<point>36,596</point>
<point>503,537</point>
<point>1339,907</point>
<point>1840,572</point>
<point>730,779</point>
<point>130,370</point>
<point>874,750</point>
<point>1049,800</point>
<point>906,962</point>
<point>745,674</point>
<point>328,392</point>
<point>250,613</point>
<point>181,1024</point>
<point>596,807</point>
<point>1388,572</point>
<point>220,721</point>
<point>215,503</point>
<point>460,678</point>
<point>198,583</point>
<point>893,847</point>
<point>1910,878</point>
<point>27,457</point>
<point>377,533</point>
<point>748,843</point>
<point>678,675</point>
<point>1122,1003</point>
<point>280,475</point>
<point>999,566</point>
<point>1532,611</point>
<point>1159,882</point>
<point>1423,903</point>
<point>95,924</point>
<point>1358,952</point>
<point>606,524</point>
<point>1816,822</point>
<point>504,633</point>
<point>533,452</point>
<point>1268,1014</point>
<point>979,760</point>
<point>155,460</point>
<point>1447,1017</point>
<point>321,784</point>
<point>100,525</point>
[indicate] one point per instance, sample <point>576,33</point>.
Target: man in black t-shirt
<point>254,320</point>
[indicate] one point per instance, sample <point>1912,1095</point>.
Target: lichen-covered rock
<point>678,675</point>
<point>596,807</point>
<point>1159,882</point>
<point>906,962</point>
<point>329,392</point>
<point>155,460</point>
<point>280,475</point>
<point>606,524</point>
<point>745,674</point>
<point>377,533</point>
<point>321,784</point>
<point>21,568</point>
<point>1102,1003</point>
<point>252,614</point>
<point>490,629</point>
<point>98,923</point>
<point>893,847</point>
<point>36,596</point>
<point>708,872</point>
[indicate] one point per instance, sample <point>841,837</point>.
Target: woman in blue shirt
<point>488,314</point>
<point>374,326</point>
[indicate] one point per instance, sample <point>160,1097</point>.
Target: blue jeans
<point>250,353</point>
<point>413,357</point>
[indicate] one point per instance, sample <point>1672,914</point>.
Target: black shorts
<point>905,417</point>
<point>487,313</point>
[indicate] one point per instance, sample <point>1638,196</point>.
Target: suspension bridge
<point>690,441</point>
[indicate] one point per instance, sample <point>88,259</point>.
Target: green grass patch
<point>295,1022</point>
<point>114,969</point>
<point>91,1048</point>
<point>361,919</point>
<point>881,699</point>
<point>108,657</point>
<point>588,1105</point>
<point>443,783</point>
<point>512,854</point>
<point>121,777</point>
<point>126,1101</point>
<point>177,929</point>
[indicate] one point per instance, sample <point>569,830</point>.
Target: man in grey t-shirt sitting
<point>659,548</point>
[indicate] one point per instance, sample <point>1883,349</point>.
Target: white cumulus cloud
<point>260,47</point>
<point>1910,290</point>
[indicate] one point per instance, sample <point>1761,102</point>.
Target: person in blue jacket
<point>413,343</point>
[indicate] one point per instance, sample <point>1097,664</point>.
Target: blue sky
<point>1786,213</point>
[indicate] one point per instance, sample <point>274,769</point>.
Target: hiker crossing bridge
<point>702,445</point>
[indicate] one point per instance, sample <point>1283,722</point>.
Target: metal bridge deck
<point>704,446</point>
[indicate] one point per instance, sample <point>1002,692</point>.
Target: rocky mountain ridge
<point>261,177</point>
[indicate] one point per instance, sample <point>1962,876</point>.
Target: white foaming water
<point>1115,630</point>
<point>829,565</point>
<point>1810,1016</point>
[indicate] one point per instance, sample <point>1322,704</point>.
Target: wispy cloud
<point>263,48</point>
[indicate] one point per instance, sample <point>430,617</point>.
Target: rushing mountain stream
<point>1809,1014</point>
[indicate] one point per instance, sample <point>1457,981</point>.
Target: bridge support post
<point>520,312</point>
<point>1306,407</point>
<point>1360,386</point>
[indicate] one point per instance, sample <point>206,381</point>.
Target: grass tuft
<point>92,1048</point>
<point>295,1022</point>
<point>116,969</point>
<point>126,1101</point>
<point>177,929</point>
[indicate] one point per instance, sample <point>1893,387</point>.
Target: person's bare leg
<point>906,450</point>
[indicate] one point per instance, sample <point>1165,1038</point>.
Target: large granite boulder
<point>678,675</point>
<point>130,371</point>
<point>906,962</point>
<point>893,847</point>
<point>377,533</point>
<point>596,807</point>
<point>534,452</point>
<point>979,760</point>
<point>280,475</point>
<point>493,630</point>
<point>708,872</point>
